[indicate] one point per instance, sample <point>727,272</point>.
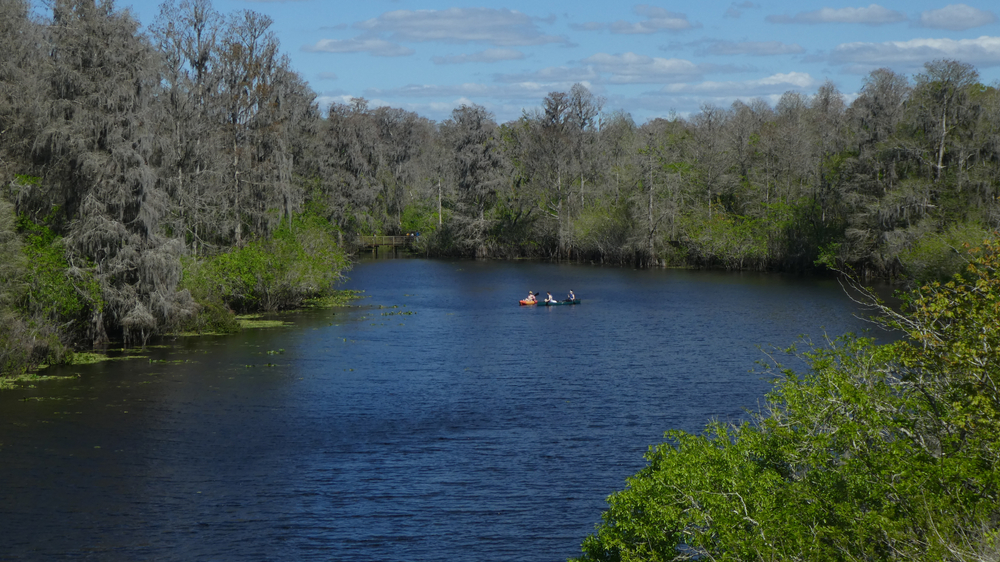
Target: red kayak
<point>526,302</point>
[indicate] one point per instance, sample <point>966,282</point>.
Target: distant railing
<point>375,241</point>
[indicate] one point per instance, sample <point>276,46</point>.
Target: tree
<point>878,110</point>
<point>348,167</point>
<point>663,170</point>
<point>792,155</point>
<point>23,87</point>
<point>941,97</point>
<point>369,159</point>
<point>547,152</point>
<point>616,142</point>
<point>825,116</point>
<point>581,117</point>
<point>477,163</point>
<point>189,148</point>
<point>95,150</point>
<point>713,161</point>
<point>258,94</point>
<point>402,138</point>
<point>743,137</point>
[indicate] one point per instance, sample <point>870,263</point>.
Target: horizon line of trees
<point>134,163</point>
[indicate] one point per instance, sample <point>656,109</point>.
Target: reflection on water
<point>452,424</point>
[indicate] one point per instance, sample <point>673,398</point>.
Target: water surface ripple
<point>452,425</point>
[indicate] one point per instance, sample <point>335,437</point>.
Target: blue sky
<point>647,59</point>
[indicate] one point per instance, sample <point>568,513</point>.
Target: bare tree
<point>582,119</point>
<point>714,161</point>
<point>663,171</point>
<point>188,126</point>
<point>941,99</point>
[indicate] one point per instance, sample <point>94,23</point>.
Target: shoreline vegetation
<point>874,452</point>
<point>174,178</point>
<point>337,299</point>
<point>169,178</point>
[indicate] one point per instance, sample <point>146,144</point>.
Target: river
<point>434,420</point>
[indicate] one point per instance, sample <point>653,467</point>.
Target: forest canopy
<point>140,166</point>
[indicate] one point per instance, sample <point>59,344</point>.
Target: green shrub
<point>55,290</point>
<point>419,219</point>
<point>936,257</point>
<point>302,260</point>
<point>45,304</point>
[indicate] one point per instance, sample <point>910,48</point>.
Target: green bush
<point>56,290</point>
<point>419,219</point>
<point>736,242</point>
<point>302,260</point>
<point>45,304</point>
<point>936,257</point>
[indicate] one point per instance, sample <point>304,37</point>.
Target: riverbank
<point>339,299</point>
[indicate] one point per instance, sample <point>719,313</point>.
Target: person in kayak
<point>571,296</point>
<point>549,298</point>
<point>531,297</point>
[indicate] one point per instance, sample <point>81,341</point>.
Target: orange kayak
<point>526,302</point>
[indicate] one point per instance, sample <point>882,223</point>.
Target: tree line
<point>163,178</point>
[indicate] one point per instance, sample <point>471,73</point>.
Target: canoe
<point>553,303</point>
<point>526,302</point>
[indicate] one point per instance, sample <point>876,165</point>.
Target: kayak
<point>526,302</point>
<point>553,303</point>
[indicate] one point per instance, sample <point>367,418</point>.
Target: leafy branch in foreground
<point>876,452</point>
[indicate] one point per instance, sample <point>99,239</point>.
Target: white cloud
<point>775,84</point>
<point>527,91</point>
<point>432,91</point>
<point>631,68</point>
<point>956,17</point>
<point>657,19</point>
<point>377,47</point>
<point>487,56</point>
<point>499,27</point>
<point>755,48</point>
<point>551,76</point>
<point>984,51</point>
<point>324,101</point>
<point>872,15</point>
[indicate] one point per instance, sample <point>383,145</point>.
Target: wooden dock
<point>392,241</point>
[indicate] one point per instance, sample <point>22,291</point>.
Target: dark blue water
<point>452,424</point>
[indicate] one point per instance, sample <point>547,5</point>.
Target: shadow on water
<point>434,420</point>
